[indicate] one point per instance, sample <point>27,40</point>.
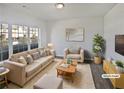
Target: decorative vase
<point>97,60</point>
<point>69,60</point>
<point>120,69</point>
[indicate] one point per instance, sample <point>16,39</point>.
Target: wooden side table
<point>3,74</point>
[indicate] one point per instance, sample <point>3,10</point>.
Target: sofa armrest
<point>66,52</point>
<point>53,52</point>
<point>82,55</point>
<point>17,72</point>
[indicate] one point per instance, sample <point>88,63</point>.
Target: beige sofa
<point>20,73</point>
<point>74,54</point>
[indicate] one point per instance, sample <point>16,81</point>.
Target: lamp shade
<point>50,45</point>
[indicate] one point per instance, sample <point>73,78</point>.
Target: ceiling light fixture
<point>23,6</point>
<point>59,5</point>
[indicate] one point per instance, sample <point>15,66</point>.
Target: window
<point>20,38</point>
<point>4,52</point>
<point>34,37</point>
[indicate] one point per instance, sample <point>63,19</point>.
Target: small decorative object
<point>64,65</point>
<point>113,62</point>
<point>120,66</point>
<point>75,34</point>
<point>98,43</point>
<point>69,60</point>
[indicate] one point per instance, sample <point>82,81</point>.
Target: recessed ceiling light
<point>59,5</point>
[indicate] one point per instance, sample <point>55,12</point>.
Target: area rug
<point>82,79</point>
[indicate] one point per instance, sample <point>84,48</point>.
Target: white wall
<point>113,24</point>
<point>12,15</point>
<point>92,25</point>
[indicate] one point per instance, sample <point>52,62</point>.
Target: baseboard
<point>86,59</point>
<point>59,57</point>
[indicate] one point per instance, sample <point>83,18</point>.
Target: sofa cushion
<point>74,56</point>
<point>33,51</point>
<point>15,57</point>
<point>32,68</point>
<point>22,60</point>
<point>44,60</point>
<point>40,49</point>
<point>29,59</point>
<point>37,64</point>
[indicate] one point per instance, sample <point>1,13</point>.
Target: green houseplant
<point>98,43</point>
<point>119,66</point>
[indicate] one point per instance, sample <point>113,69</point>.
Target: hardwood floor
<point>99,82</point>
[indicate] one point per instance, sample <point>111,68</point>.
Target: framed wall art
<point>75,34</point>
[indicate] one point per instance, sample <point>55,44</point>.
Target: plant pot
<point>97,60</point>
<point>120,69</point>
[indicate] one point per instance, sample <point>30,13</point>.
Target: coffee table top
<point>70,69</point>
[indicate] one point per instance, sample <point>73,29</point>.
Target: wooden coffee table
<point>67,71</point>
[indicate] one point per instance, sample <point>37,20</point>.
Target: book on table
<point>64,65</point>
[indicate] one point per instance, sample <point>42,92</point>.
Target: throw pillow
<point>22,60</point>
<point>29,59</point>
<point>42,53</point>
<point>36,55</point>
<point>74,51</point>
<point>47,51</point>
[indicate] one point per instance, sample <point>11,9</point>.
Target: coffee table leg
<point>57,73</point>
<point>72,78</point>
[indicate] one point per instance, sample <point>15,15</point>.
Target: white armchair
<point>78,54</point>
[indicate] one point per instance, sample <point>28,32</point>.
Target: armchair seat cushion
<point>74,56</point>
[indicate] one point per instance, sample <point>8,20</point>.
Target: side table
<point>3,75</point>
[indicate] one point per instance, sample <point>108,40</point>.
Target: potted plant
<point>120,66</point>
<point>98,43</point>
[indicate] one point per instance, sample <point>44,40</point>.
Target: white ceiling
<point>47,11</point>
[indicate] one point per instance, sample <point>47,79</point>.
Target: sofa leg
<point>21,86</point>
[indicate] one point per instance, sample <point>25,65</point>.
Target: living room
<point>66,34</point>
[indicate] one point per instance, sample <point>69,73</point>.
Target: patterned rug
<point>82,79</point>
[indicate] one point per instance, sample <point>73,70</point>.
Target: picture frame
<point>75,34</point>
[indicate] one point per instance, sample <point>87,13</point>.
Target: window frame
<point>4,48</point>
